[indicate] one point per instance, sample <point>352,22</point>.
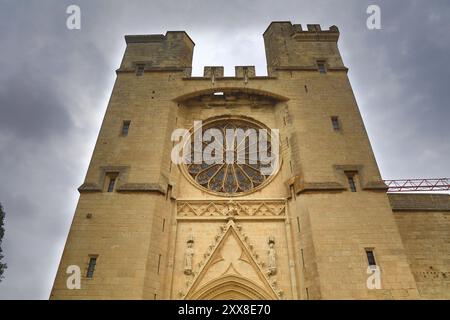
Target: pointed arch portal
<point>231,287</point>
<point>231,272</point>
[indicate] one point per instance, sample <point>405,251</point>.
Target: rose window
<point>243,171</point>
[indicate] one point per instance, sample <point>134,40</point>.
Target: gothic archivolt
<point>231,287</point>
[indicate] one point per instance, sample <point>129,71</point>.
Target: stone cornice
<point>142,187</point>
<point>147,38</point>
<point>308,68</point>
<point>419,202</point>
<point>301,186</point>
<point>323,36</point>
<point>153,69</point>
<point>122,184</point>
<point>375,185</point>
<point>230,78</point>
<point>126,187</point>
<point>89,187</point>
<point>319,186</point>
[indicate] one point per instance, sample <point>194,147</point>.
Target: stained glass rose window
<point>241,170</point>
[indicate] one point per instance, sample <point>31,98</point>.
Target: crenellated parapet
<point>245,71</point>
<point>213,71</point>
<point>290,47</point>
<point>172,51</point>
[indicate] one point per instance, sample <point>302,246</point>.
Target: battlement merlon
<point>290,47</point>
<point>172,51</point>
<point>313,32</point>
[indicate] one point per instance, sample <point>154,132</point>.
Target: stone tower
<point>145,228</point>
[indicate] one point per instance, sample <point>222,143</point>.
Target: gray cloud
<point>29,108</point>
<point>55,85</point>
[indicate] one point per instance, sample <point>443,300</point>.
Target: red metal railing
<point>411,185</point>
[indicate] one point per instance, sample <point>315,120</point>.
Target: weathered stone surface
<point>139,232</point>
<point>420,202</point>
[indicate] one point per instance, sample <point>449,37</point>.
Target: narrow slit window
<point>111,179</point>
<point>126,127</point>
<point>321,67</point>
<point>370,257</point>
<point>351,181</point>
<point>335,123</point>
<point>352,184</point>
<point>303,258</point>
<point>140,69</point>
<point>111,184</point>
<point>159,263</point>
<point>168,192</point>
<point>91,267</point>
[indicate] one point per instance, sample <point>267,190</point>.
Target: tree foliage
<point>2,232</point>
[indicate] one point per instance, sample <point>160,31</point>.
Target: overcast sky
<point>55,84</point>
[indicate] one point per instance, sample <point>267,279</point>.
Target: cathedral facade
<point>321,225</point>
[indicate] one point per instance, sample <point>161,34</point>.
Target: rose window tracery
<point>243,174</point>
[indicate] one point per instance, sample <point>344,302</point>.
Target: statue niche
<point>271,257</point>
<point>189,256</point>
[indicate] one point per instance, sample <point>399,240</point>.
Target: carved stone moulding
<point>231,208</point>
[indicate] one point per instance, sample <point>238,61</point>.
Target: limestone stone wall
<point>173,50</point>
<point>424,224</point>
<point>335,230</point>
<point>118,232</point>
<point>296,47</point>
<point>140,230</point>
